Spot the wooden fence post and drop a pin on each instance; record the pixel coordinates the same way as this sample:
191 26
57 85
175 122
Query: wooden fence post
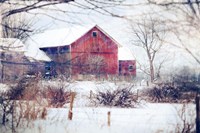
108 118
197 114
91 93
2 72
70 114
137 94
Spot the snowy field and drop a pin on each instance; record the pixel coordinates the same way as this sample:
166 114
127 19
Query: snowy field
145 118
151 118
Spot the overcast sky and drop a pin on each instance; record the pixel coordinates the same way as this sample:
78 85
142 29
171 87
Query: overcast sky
116 27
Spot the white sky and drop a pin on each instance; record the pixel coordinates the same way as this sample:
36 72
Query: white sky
115 27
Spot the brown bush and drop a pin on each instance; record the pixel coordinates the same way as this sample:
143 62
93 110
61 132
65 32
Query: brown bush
119 97
163 93
56 97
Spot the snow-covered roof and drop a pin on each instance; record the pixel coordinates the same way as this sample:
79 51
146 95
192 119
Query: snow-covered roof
57 37
37 55
109 36
125 54
61 37
52 38
11 44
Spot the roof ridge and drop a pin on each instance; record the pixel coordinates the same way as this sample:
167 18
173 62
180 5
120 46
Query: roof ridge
108 35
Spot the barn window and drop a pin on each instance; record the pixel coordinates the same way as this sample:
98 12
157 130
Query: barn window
130 67
94 33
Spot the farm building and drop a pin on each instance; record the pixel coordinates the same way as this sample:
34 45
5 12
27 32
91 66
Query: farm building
15 64
92 52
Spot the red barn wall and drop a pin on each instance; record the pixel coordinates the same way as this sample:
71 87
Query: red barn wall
127 67
89 48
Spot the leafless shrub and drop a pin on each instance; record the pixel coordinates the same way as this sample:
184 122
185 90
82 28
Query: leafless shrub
21 104
5 107
186 115
181 88
119 97
21 91
163 93
26 112
187 80
57 97
7 103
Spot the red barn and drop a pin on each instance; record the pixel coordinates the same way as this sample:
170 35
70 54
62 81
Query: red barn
94 53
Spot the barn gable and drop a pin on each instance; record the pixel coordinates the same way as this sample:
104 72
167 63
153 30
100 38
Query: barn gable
95 53
94 32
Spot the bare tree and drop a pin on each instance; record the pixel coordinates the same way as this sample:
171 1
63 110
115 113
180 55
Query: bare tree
10 9
97 6
148 34
186 23
18 27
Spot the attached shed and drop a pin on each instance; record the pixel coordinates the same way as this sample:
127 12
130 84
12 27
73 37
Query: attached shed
14 64
60 60
127 63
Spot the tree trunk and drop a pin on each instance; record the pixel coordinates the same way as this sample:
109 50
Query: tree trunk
151 71
197 114
4 116
2 71
1 27
151 66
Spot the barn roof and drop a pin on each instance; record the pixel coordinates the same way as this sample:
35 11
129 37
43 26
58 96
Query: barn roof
62 37
66 36
57 37
108 35
37 55
125 54
14 44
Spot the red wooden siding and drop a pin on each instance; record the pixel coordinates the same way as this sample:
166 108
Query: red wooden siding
127 67
94 53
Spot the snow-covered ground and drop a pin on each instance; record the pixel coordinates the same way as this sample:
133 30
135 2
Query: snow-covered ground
146 118
150 118
87 86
